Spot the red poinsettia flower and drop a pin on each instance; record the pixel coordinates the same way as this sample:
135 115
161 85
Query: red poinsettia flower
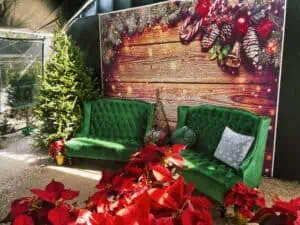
54 192
87 217
246 200
172 155
161 173
23 220
56 148
177 198
203 7
291 207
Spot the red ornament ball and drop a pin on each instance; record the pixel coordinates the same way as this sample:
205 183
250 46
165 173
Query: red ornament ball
265 28
203 7
242 24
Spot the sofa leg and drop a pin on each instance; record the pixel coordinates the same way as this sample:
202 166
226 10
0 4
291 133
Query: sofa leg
222 211
70 162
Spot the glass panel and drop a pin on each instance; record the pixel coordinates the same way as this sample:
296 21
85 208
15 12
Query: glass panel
21 65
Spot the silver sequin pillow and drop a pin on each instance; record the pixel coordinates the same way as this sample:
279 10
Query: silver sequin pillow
233 148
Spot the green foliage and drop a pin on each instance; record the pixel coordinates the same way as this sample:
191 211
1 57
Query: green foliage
5 127
66 84
21 89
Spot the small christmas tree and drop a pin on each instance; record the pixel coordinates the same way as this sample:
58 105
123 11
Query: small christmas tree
65 85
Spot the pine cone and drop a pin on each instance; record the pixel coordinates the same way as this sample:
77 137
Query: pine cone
210 37
226 34
251 45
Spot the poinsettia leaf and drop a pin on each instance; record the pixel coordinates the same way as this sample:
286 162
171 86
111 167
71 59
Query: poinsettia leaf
165 221
20 206
187 218
178 148
50 197
84 217
162 197
151 219
176 159
68 194
201 202
106 178
59 216
260 202
23 220
122 184
203 217
55 187
212 56
177 190
262 214
129 215
161 173
246 213
134 171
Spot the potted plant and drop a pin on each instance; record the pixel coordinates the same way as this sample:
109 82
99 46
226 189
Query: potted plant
57 151
245 201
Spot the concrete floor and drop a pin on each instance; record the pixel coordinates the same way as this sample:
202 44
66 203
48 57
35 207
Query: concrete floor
23 168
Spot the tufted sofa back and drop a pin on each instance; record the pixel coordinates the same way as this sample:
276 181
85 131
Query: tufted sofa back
209 122
120 119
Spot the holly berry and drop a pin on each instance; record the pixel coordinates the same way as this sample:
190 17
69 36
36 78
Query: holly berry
242 24
203 7
265 28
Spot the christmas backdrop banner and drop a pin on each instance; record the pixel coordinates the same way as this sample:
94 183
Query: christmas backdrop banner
217 52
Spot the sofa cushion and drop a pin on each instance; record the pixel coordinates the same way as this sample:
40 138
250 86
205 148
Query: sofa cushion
185 136
233 148
85 147
210 176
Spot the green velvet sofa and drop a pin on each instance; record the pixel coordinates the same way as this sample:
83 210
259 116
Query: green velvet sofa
112 129
212 177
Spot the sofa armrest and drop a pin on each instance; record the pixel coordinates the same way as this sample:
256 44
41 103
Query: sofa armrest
181 114
252 167
85 122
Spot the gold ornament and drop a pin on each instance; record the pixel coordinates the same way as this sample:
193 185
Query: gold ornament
233 59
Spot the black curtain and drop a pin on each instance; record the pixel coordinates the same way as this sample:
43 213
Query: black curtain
287 160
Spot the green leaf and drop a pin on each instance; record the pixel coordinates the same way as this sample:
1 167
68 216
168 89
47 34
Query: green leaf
212 57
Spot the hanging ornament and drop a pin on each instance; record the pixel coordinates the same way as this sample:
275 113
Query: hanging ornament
210 37
264 28
242 24
257 13
251 45
272 47
203 7
233 59
226 34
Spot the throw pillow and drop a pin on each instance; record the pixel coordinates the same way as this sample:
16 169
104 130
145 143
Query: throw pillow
233 148
185 136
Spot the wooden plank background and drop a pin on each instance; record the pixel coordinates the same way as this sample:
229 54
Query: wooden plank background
157 59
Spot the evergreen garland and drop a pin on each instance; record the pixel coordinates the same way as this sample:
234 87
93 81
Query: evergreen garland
66 84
